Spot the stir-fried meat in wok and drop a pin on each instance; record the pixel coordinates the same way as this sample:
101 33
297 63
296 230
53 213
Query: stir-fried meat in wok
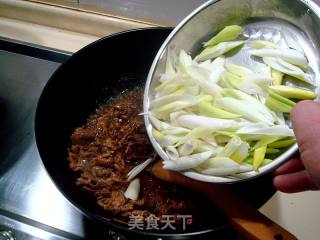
108 146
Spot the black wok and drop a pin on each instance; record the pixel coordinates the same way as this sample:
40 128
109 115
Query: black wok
89 78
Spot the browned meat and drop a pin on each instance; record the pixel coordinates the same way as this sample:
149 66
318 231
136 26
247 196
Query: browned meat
82 136
107 147
118 203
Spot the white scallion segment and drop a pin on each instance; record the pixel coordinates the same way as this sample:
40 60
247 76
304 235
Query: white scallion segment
238 70
242 108
280 118
164 111
245 168
187 162
291 92
194 121
236 150
133 190
262 129
204 146
221 171
288 69
290 55
161 101
257 44
259 79
215 116
169 76
229 33
163 140
159 125
184 61
169 87
217 50
219 166
207 109
229 80
216 68
263 69
187 148
196 133
172 153
175 115
216 73
176 131
138 169
204 98
254 103
201 76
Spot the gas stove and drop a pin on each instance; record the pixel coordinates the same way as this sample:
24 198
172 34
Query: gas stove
31 207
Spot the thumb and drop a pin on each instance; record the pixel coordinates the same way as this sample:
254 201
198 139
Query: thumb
305 118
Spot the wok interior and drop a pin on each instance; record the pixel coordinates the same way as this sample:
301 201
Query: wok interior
91 77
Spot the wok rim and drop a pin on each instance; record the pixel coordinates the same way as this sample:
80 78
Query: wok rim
118 228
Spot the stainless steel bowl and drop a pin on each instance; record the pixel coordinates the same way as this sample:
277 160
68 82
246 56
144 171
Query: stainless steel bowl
292 20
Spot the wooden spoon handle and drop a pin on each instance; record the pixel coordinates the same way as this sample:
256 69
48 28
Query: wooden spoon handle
249 222
246 219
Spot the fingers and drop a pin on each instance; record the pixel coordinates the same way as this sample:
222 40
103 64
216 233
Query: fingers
294 182
305 118
296 175
293 165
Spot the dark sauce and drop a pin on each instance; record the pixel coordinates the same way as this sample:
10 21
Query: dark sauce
108 146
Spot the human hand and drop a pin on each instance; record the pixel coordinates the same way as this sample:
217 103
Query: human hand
303 171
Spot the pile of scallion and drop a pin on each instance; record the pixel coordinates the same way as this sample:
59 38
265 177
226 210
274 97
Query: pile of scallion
219 118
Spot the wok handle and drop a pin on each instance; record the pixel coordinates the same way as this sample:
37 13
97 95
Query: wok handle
248 221
245 218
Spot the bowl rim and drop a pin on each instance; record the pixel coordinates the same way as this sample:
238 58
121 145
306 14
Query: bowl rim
192 174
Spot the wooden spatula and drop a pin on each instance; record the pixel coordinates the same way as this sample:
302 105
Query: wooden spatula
249 222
